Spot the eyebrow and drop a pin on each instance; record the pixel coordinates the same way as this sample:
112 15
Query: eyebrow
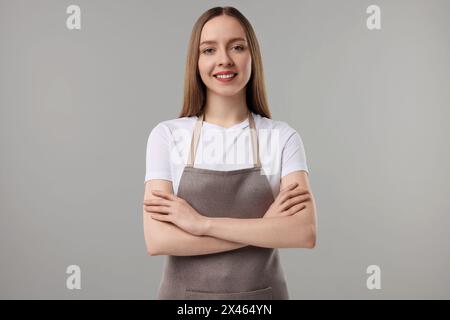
213 42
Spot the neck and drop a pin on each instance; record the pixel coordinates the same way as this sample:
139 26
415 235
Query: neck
225 111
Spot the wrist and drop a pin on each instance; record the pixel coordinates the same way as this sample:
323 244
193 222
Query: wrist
207 226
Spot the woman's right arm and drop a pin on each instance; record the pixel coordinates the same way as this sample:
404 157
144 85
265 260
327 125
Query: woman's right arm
163 238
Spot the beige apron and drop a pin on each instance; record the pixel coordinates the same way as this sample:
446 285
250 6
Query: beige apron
246 273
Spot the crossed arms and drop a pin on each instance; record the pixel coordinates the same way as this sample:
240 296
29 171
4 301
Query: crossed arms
223 234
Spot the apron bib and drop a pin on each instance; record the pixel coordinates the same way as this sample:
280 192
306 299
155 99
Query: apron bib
248 273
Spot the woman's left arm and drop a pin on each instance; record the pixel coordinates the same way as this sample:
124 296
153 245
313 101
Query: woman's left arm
294 231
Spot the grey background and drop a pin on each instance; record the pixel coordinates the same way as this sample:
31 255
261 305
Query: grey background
77 108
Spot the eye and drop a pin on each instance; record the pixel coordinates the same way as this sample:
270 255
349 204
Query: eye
206 51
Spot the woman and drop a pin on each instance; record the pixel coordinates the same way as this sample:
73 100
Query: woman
220 224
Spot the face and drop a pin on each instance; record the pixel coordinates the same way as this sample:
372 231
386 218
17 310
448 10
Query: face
224 47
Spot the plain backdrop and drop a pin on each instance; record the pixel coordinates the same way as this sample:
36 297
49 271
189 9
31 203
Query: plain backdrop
77 106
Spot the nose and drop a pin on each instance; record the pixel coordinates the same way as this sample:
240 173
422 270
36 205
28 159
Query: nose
224 59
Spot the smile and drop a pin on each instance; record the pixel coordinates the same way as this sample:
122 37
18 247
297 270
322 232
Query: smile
225 77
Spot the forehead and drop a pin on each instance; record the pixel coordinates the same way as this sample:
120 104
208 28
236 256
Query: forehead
222 28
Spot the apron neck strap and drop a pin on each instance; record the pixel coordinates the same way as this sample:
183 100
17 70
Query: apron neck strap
253 137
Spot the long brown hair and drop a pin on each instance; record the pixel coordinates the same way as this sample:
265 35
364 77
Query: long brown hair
194 88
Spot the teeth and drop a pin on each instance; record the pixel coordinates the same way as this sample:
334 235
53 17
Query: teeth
225 76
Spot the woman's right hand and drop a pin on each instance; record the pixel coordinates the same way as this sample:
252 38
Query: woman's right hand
289 201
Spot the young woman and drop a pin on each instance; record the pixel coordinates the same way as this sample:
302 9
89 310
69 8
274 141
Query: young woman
220 222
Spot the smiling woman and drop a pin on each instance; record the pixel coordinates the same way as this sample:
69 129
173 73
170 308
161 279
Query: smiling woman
225 62
220 223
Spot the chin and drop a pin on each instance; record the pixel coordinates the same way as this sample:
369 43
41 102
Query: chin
227 92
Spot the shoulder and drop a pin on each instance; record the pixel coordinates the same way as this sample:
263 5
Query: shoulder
167 128
277 127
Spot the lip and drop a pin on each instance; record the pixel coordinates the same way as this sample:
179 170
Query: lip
224 72
226 79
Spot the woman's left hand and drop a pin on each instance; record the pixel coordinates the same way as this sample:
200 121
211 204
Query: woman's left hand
170 208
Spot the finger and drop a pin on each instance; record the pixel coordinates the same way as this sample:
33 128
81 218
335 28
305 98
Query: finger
295 209
157 202
295 200
161 217
292 193
279 199
160 209
289 187
297 191
164 195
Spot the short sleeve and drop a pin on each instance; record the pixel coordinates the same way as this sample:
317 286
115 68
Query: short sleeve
293 157
157 164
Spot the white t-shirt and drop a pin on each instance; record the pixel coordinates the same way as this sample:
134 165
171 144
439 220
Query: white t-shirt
281 149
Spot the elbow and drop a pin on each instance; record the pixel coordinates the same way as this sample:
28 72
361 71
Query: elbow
311 244
152 250
307 239
152 246
305 233
152 238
